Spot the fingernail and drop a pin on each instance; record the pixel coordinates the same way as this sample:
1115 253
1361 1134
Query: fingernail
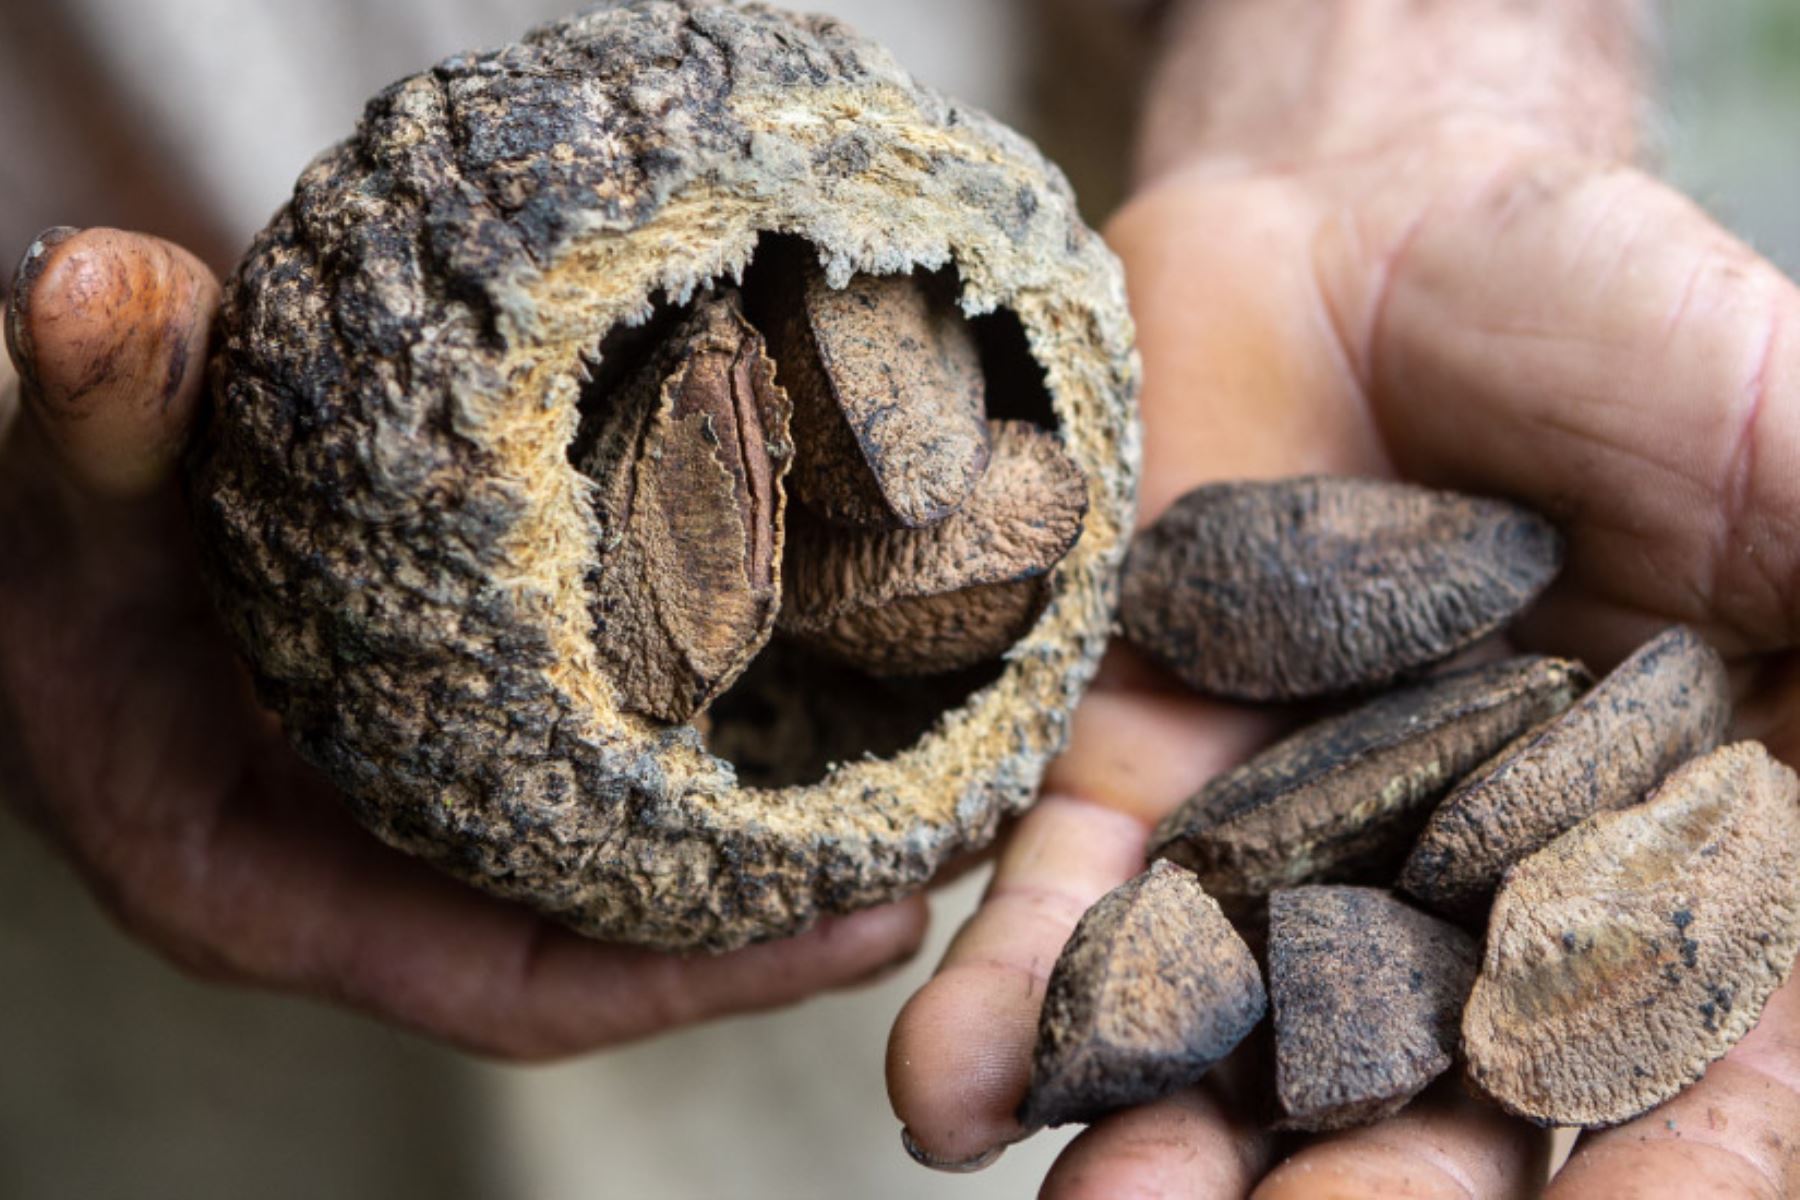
18 328
110 332
925 1158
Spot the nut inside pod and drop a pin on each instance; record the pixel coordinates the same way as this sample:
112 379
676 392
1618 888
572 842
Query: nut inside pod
397 525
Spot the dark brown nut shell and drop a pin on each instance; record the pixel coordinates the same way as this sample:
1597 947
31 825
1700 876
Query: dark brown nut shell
395 533
1305 587
1638 947
1367 995
1153 988
918 601
1343 799
888 398
689 470
1660 707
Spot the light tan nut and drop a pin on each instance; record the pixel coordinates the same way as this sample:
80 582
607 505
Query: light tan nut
1632 951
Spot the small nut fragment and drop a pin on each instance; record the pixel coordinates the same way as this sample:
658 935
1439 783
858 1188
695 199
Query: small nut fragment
1304 587
690 465
1638 947
1152 989
1341 800
919 601
1367 994
1666 703
888 397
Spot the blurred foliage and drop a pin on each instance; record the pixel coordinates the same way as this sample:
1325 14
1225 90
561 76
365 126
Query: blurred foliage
1729 130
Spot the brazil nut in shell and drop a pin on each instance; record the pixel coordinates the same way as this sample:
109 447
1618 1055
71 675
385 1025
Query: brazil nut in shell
1294 588
413 382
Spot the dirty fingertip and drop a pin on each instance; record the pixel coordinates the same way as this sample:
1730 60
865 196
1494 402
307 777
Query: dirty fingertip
953 1166
109 333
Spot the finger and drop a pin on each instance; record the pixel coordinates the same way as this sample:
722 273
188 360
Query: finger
1582 337
1197 1145
1444 1146
1735 1134
9 392
959 1056
109 333
1244 376
1141 752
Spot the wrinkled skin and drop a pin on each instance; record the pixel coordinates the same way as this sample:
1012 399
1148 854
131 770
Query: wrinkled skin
1474 305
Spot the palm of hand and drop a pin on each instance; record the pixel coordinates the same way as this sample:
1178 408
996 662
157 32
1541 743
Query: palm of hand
1471 309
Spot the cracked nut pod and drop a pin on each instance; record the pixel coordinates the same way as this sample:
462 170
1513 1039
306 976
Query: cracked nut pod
518 408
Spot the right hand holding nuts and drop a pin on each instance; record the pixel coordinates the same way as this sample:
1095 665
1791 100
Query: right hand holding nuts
1654 451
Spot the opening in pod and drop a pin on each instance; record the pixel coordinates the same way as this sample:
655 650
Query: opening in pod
826 510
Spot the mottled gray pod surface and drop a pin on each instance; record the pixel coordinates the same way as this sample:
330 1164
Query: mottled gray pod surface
1368 995
395 532
1638 947
1153 988
1660 707
1304 587
1342 800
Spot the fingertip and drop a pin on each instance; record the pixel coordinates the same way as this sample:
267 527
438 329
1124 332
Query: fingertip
1359 1171
1188 1145
1445 1144
958 1064
109 332
1671 1170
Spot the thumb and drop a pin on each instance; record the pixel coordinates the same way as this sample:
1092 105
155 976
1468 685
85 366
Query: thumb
109 332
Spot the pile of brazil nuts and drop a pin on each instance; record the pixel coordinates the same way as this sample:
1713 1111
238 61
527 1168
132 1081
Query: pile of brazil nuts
1568 885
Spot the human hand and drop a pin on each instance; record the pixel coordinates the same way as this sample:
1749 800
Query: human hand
1471 295
128 733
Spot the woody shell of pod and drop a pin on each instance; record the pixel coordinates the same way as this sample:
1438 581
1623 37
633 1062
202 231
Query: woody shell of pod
394 531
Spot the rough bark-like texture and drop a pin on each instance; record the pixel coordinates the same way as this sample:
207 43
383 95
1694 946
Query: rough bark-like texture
1305 587
918 601
1666 703
888 397
1367 995
1342 800
688 471
1640 946
1152 989
395 532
